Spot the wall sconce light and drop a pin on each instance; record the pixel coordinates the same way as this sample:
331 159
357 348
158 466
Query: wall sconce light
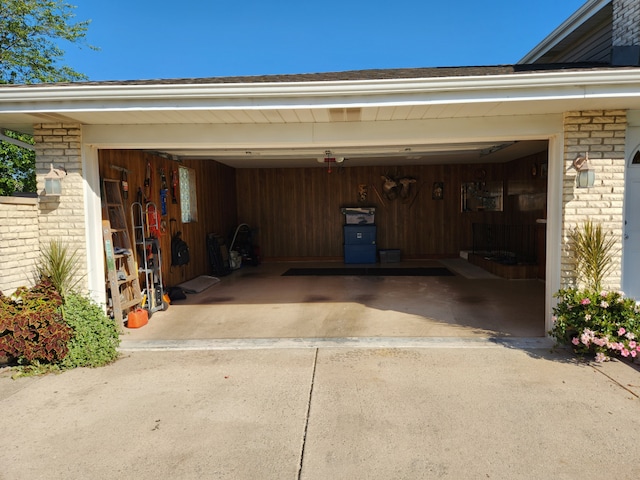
586 177
53 181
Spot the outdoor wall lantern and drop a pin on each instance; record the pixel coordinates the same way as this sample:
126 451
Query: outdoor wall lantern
53 181
586 177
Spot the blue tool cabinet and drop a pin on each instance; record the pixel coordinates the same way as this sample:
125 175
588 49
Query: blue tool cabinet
359 243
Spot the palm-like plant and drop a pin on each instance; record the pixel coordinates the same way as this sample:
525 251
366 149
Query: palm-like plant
59 265
593 250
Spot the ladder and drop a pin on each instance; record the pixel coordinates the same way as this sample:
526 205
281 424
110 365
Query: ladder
122 274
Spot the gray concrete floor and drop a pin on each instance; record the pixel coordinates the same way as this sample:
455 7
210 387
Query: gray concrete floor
260 303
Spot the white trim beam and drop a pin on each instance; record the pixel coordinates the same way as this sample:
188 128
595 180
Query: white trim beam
344 134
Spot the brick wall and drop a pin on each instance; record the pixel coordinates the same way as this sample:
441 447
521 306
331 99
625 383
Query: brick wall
19 244
602 135
63 217
626 22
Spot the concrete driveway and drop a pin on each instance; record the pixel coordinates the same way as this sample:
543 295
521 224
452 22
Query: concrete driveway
454 409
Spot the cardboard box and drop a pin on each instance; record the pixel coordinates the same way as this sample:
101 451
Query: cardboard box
359 216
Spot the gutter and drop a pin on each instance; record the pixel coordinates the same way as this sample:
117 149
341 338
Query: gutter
517 86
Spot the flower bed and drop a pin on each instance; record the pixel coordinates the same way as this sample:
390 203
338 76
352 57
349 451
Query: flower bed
603 324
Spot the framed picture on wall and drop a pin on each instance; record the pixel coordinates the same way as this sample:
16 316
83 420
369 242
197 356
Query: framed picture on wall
481 196
437 193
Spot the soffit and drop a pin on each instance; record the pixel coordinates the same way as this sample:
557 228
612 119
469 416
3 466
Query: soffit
349 102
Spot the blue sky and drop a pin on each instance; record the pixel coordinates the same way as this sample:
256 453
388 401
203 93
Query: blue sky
147 39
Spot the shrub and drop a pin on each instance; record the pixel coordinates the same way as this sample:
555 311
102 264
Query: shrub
32 329
603 324
95 338
59 265
593 250
592 321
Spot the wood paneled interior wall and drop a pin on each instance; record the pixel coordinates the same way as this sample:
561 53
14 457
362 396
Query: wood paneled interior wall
296 212
526 189
216 203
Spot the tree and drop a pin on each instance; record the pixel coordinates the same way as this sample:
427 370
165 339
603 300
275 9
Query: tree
17 166
30 33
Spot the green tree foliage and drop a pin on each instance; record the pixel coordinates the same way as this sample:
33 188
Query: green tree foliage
31 32
31 35
17 166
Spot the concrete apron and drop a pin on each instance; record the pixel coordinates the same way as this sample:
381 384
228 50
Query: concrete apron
258 307
306 414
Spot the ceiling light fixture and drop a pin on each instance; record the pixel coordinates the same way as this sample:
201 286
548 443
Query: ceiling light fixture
329 160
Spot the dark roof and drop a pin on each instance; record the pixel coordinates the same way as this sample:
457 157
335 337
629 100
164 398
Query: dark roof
374 74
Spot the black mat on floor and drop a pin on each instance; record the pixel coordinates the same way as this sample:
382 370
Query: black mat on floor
382 272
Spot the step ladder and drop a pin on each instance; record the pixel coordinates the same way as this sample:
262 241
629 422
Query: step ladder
122 282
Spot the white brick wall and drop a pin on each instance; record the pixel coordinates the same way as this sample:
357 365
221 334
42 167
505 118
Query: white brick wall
62 218
626 22
19 244
601 134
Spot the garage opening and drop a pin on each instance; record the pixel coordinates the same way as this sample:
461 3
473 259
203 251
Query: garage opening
482 219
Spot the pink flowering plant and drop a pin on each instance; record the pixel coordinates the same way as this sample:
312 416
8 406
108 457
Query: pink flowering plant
602 324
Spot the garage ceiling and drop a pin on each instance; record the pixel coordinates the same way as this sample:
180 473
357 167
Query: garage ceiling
480 152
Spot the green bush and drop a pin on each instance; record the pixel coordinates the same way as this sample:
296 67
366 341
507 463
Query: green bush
32 329
95 340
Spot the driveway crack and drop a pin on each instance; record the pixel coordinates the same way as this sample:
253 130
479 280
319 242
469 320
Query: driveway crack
613 380
306 420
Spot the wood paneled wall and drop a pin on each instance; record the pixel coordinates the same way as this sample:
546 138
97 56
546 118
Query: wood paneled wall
296 212
526 189
215 186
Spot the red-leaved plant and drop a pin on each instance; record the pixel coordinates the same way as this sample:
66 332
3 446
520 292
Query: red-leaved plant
32 328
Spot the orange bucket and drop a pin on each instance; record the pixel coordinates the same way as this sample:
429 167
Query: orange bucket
137 318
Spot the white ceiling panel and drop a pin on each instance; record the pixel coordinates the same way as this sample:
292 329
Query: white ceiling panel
288 115
272 116
304 115
320 115
401 112
369 114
